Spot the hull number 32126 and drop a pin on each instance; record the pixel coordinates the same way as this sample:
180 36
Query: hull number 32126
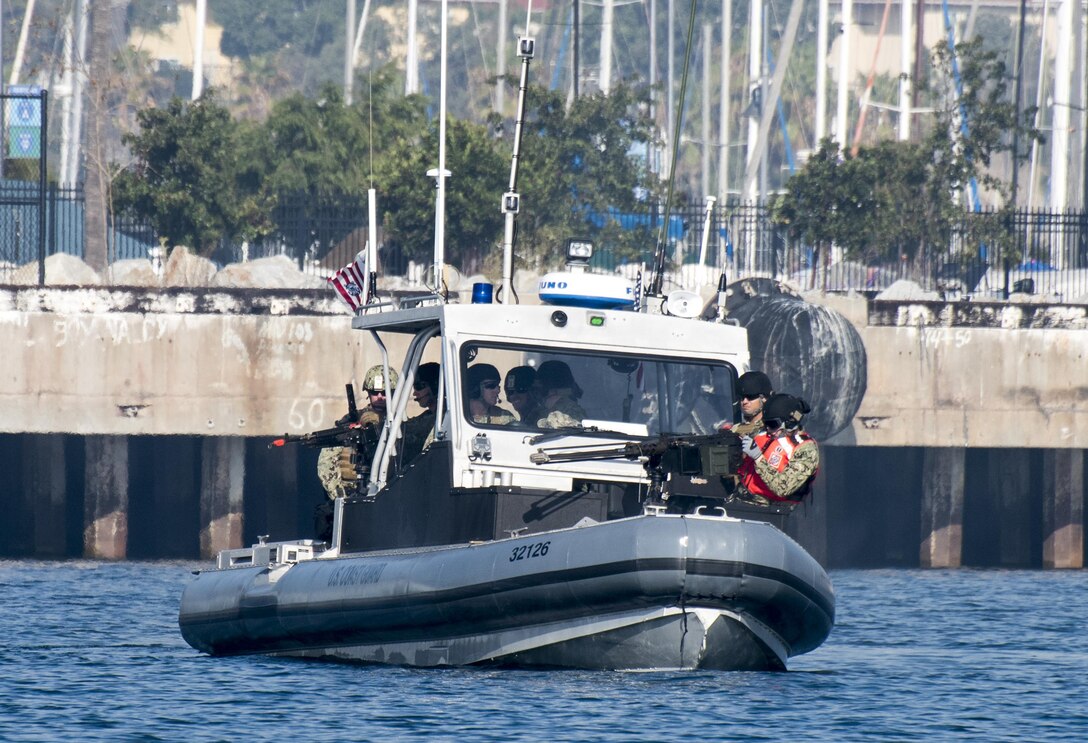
526 551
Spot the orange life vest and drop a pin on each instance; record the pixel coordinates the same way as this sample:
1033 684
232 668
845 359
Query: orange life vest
776 451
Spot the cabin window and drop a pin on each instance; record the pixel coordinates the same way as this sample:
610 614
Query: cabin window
633 394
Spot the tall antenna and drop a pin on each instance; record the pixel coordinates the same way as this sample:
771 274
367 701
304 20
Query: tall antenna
657 275
440 198
511 200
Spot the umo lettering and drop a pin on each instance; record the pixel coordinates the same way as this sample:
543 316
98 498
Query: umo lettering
553 285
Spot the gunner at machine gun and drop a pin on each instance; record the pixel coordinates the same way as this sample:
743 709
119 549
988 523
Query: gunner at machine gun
347 448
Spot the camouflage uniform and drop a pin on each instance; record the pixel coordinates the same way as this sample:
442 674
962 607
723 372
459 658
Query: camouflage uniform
803 463
328 471
417 434
565 412
335 470
747 428
495 416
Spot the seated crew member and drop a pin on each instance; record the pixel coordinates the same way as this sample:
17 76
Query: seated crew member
482 390
521 394
335 469
559 395
753 388
419 429
781 462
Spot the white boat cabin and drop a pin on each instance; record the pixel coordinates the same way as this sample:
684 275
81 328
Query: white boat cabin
633 376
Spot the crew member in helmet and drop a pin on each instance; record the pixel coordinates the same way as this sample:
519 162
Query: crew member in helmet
522 394
377 391
780 462
482 383
335 467
559 395
753 388
418 430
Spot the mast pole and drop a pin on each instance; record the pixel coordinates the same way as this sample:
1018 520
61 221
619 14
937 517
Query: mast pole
440 198
905 65
820 125
198 49
511 200
411 60
724 100
349 53
841 109
500 62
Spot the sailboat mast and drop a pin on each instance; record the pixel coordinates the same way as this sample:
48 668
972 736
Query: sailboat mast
198 49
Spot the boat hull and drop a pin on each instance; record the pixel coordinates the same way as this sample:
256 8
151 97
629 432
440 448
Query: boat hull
642 593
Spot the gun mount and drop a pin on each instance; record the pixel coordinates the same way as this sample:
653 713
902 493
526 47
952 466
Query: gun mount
695 466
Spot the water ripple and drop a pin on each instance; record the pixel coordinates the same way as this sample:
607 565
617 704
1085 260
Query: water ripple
92 653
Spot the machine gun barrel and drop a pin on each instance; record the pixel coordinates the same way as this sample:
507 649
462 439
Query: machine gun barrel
351 430
346 435
633 450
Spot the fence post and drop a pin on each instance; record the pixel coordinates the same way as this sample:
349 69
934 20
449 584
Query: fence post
52 218
43 142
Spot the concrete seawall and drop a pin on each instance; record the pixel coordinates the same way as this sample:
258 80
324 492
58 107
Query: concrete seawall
134 423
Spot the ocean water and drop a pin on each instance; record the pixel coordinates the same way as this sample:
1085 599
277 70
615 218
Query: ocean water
91 652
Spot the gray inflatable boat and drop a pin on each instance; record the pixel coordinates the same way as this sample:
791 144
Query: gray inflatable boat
603 537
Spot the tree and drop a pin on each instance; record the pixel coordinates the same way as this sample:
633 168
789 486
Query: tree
582 168
893 201
185 176
105 94
478 178
314 155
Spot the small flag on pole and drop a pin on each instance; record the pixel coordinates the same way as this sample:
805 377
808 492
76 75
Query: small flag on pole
349 282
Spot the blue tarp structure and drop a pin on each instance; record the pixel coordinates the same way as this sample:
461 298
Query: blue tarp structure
637 221
1035 265
19 205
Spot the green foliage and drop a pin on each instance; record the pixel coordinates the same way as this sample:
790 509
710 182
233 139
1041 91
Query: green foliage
473 190
316 146
201 176
184 176
581 162
894 200
982 98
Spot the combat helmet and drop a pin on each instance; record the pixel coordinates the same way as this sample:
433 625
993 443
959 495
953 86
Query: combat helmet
374 381
754 383
786 408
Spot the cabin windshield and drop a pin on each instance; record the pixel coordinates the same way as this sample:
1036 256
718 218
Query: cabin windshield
635 395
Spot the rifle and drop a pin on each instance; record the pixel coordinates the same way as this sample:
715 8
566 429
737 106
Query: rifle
349 434
357 432
351 430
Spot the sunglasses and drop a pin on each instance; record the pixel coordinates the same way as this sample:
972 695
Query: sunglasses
376 392
773 423
518 390
417 386
490 385
750 397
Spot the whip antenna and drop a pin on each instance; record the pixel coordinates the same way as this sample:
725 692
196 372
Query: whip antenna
657 277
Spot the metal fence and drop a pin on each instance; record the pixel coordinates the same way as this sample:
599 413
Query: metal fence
1052 247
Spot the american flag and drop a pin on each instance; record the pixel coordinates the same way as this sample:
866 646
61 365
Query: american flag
349 282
